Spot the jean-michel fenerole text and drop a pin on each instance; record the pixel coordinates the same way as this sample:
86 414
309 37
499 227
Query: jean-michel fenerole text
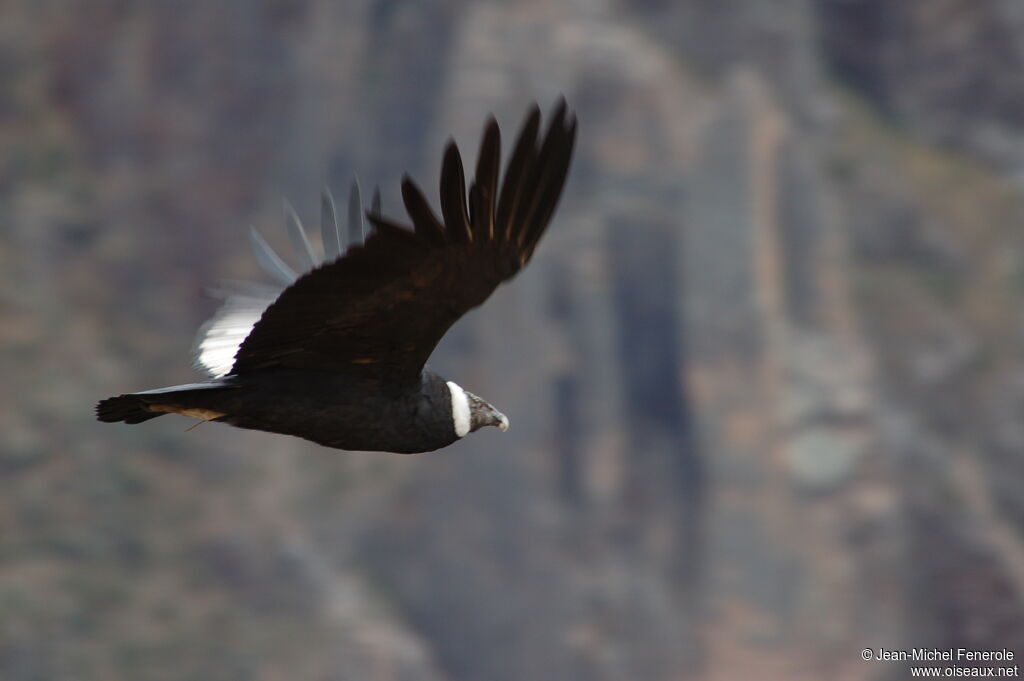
948 654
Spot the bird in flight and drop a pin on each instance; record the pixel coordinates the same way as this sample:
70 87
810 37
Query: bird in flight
339 356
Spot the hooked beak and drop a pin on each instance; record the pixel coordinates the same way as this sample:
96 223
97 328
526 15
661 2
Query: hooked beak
501 420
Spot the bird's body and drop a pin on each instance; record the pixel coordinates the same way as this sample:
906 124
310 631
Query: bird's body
338 357
330 409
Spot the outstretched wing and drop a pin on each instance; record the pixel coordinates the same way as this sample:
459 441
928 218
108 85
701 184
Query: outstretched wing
382 308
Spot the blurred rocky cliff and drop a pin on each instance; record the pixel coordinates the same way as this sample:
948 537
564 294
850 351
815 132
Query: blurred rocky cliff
765 373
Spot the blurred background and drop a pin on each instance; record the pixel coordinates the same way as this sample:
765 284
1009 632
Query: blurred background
765 374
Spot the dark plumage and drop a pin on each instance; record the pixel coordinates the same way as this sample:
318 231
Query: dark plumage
339 356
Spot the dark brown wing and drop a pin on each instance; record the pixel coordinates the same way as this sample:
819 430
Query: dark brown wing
382 308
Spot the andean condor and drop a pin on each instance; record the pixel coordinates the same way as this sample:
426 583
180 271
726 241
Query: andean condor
339 356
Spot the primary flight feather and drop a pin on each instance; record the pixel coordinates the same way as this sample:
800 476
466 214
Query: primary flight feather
339 356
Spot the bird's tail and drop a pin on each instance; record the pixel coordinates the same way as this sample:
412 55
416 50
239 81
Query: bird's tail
127 408
139 407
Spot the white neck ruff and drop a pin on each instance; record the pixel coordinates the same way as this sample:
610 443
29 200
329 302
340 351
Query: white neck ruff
460 409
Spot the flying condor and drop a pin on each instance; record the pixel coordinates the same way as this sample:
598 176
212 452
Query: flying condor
339 355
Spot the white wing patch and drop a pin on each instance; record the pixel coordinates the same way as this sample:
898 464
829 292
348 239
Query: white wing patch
220 338
460 409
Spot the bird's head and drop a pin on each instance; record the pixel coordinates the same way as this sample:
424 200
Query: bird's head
470 413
